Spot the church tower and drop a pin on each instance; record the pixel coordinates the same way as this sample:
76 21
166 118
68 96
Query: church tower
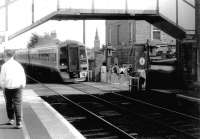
96 42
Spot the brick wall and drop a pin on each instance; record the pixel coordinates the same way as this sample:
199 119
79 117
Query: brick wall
143 31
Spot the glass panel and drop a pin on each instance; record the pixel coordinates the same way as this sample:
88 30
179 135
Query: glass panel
63 56
109 4
142 4
168 9
186 16
82 52
156 35
192 2
73 58
75 4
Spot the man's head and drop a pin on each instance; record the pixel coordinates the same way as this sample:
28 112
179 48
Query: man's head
8 54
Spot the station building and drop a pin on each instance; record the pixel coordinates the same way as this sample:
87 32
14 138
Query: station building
124 34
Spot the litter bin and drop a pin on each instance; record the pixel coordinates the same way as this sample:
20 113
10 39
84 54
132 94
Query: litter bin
134 84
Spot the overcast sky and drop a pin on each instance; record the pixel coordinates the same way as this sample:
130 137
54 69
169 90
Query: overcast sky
73 29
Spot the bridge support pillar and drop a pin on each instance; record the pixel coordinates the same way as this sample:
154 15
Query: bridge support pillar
197 26
179 65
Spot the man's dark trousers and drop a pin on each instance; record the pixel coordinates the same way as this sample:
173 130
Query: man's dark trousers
14 103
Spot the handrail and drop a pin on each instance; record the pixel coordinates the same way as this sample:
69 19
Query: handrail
191 5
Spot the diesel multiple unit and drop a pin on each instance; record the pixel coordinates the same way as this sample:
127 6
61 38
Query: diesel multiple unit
63 61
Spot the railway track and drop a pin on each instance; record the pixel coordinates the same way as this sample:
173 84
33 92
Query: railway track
99 114
96 119
176 103
185 125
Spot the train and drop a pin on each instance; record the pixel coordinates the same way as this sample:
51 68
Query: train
64 61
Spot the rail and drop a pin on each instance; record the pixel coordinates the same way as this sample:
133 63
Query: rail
117 130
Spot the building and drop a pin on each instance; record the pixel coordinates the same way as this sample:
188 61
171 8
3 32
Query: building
123 34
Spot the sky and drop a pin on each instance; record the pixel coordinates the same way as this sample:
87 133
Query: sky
65 29
73 29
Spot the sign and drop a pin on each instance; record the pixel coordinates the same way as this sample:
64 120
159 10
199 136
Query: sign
142 61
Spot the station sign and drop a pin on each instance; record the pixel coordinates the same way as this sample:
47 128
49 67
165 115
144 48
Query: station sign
142 61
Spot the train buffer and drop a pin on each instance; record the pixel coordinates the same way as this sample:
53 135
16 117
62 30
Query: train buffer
40 121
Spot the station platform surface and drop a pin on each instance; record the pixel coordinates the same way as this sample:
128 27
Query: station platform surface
190 94
40 121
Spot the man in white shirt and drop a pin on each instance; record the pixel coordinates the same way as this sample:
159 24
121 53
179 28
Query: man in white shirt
12 81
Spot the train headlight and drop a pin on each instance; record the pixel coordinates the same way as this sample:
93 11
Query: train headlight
83 74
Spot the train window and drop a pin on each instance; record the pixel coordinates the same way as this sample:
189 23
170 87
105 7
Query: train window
84 68
52 57
63 56
82 53
73 55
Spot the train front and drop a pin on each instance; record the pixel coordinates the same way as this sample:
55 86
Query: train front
73 62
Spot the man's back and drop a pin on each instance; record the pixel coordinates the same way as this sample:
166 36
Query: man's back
12 75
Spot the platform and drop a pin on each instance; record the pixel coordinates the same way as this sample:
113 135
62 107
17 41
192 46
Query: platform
189 95
40 121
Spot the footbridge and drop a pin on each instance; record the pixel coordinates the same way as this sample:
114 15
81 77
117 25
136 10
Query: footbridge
175 17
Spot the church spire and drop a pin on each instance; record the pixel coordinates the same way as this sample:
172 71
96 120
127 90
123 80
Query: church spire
96 41
96 35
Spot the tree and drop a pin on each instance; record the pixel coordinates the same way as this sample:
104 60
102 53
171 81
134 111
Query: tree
33 40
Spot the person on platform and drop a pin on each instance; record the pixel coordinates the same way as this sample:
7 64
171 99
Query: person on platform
12 81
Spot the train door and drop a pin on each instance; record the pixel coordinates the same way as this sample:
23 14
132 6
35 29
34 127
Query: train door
73 56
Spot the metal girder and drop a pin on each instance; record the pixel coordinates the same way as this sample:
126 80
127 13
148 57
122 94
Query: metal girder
151 16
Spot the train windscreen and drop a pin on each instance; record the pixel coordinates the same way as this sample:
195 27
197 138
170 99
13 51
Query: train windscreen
73 58
63 57
83 57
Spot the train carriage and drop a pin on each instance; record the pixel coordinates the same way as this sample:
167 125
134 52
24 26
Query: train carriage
64 61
